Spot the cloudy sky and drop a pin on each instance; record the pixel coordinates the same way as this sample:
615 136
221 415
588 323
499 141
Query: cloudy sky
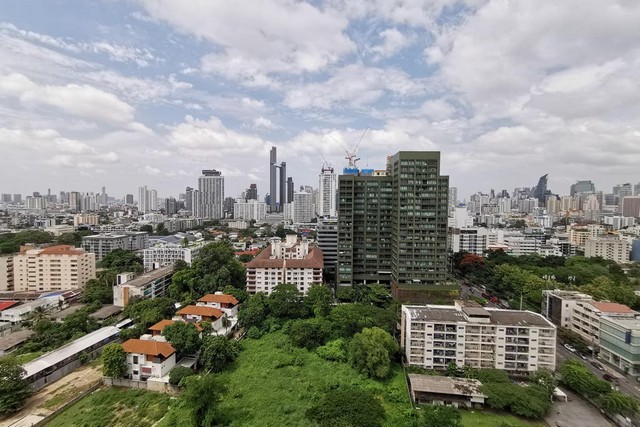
128 93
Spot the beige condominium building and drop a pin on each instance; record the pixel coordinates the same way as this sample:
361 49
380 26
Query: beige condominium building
466 334
53 268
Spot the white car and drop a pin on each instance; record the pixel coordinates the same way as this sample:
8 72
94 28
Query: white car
571 349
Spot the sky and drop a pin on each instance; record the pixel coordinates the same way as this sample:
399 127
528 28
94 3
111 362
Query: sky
150 92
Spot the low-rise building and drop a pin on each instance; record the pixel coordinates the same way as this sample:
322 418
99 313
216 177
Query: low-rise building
153 284
226 303
156 330
475 240
586 316
166 252
86 219
558 305
292 261
53 268
619 340
148 358
434 336
18 313
436 390
198 313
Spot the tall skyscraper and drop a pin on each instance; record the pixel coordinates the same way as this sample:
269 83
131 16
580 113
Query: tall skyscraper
540 191
211 187
327 192
75 200
283 185
128 199
302 207
272 179
144 202
393 226
252 192
290 189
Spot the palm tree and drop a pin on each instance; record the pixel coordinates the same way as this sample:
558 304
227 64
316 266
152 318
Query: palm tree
36 315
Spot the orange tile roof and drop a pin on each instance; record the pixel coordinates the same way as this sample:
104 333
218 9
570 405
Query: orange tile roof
148 347
314 259
611 307
199 310
224 298
159 327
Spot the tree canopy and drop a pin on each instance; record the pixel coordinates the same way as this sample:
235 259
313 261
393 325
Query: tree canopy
14 389
370 352
218 351
114 361
183 336
123 261
347 407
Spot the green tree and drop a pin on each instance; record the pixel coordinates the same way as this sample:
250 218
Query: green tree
546 379
335 351
114 361
438 416
183 336
218 351
178 373
73 239
254 311
286 302
180 265
372 294
147 228
604 288
349 319
347 407
615 402
216 267
147 311
14 389
370 352
318 300
200 399
580 379
308 333
240 294
123 261
100 289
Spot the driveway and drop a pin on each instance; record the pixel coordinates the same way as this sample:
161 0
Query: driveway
576 412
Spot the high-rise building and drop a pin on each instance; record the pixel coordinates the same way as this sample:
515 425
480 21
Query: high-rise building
170 206
631 206
75 201
302 207
36 202
144 202
128 199
290 189
249 210
252 192
393 226
273 158
327 236
636 189
623 190
283 186
327 192
453 200
540 191
6 198
211 187
582 187
17 198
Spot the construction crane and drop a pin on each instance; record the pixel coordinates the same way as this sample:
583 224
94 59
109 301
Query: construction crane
352 155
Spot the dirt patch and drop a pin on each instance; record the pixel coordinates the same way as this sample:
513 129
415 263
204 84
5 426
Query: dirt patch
45 401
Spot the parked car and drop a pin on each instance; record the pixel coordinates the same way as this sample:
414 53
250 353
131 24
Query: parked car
608 377
571 349
597 365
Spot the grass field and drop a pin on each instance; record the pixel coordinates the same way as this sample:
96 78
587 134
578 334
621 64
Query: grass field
491 419
115 407
273 384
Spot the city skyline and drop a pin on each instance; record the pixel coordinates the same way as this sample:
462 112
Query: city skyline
127 94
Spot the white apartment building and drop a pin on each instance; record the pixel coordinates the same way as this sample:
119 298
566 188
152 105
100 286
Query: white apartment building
524 244
103 244
53 269
251 209
149 285
292 261
558 305
165 254
432 336
211 188
586 315
611 247
6 273
327 192
475 240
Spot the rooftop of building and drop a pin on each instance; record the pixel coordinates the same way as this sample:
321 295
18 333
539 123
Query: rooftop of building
199 310
570 295
54 250
445 385
105 312
632 323
314 259
159 327
52 358
497 316
148 347
14 339
611 307
149 277
219 298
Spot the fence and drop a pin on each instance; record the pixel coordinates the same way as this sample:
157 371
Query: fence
150 385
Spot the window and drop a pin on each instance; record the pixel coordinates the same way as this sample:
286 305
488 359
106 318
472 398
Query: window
135 361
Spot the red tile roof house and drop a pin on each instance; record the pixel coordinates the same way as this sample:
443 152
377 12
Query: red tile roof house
148 358
198 313
227 303
156 330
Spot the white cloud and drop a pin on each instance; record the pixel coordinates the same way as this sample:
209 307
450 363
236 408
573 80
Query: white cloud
79 100
150 170
285 36
392 42
354 85
262 122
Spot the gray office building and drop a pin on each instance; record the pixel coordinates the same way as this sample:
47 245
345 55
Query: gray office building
211 194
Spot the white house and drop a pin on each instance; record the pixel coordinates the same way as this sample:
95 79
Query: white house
198 313
148 358
227 303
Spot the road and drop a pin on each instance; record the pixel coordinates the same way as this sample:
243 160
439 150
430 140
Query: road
626 384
